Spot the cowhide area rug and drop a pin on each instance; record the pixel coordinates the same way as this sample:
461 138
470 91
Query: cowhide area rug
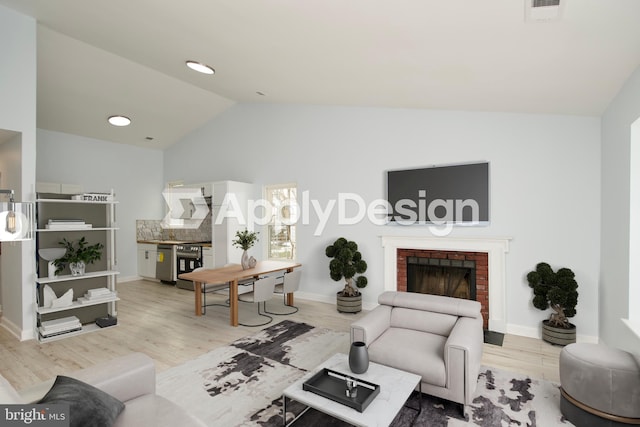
241 385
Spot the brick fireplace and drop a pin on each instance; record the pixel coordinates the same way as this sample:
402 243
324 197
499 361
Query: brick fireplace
479 261
488 254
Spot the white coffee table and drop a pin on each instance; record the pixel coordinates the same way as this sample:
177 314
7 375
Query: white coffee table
395 388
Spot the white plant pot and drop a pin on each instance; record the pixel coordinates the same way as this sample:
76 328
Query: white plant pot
244 261
77 268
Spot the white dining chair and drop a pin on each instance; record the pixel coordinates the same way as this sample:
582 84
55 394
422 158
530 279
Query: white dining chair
262 292
290 284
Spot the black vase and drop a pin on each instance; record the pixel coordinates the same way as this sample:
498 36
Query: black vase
358 357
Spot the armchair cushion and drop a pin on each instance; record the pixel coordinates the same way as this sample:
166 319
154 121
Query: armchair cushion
154 410
421 353
88 406
125 377
434 303
377 321
423 321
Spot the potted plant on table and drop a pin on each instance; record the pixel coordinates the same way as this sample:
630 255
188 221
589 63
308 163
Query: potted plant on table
78 255
558 291
245 240
346 263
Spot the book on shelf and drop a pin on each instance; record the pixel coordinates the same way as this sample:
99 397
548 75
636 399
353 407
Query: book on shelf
59 326
97 295
85 300
70 320
97 291
44 334
94 197
60 329
68 226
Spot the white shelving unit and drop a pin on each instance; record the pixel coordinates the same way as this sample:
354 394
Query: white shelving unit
47 230
74 305
67 277
101 274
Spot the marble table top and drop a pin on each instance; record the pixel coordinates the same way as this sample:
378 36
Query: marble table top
395 388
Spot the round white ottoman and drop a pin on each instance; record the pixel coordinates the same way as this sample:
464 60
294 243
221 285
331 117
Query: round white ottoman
600 385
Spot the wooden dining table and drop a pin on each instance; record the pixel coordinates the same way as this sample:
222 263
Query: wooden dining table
231 275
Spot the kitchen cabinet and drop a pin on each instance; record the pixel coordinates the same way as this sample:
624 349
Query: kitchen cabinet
60 217
206 188
147 255
188 205
208 260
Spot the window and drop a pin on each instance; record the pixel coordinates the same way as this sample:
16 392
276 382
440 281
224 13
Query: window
281 228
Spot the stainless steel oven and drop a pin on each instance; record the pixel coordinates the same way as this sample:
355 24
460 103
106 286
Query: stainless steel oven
188 258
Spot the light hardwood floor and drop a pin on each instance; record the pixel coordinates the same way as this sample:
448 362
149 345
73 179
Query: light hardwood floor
158 320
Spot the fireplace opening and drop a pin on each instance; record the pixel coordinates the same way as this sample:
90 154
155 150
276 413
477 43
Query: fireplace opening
446 277
476 273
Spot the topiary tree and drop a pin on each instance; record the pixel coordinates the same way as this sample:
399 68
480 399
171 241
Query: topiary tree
558 290
347 262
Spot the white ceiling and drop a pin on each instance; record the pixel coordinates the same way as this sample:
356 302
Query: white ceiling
98 58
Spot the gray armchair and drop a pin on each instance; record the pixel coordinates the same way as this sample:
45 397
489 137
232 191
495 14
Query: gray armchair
438 338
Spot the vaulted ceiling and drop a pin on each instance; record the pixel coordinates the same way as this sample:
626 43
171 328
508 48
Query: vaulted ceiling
99 58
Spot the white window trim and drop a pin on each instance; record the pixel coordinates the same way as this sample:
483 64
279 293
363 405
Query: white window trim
633 321
265 228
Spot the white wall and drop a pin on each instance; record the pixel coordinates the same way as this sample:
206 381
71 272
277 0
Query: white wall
134 173
545 182
11 259
18 113
614 276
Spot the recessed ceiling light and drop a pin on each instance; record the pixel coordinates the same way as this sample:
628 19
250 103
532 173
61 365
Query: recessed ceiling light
199 67
119 120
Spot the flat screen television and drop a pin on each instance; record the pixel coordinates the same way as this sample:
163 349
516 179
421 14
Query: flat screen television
456 194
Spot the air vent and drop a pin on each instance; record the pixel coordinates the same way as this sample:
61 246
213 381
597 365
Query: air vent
545 3
543 10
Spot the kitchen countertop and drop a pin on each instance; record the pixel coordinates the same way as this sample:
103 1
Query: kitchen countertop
174 242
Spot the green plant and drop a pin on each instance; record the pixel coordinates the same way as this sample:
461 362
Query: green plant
78 251
245 239
558 290
347 262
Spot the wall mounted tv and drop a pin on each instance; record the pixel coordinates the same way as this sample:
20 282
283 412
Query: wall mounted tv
457 194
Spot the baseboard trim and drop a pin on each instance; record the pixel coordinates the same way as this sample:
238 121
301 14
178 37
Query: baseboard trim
330 299
17 332
130 279
527 331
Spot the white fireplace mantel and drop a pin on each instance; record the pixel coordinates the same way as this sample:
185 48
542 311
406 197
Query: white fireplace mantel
495 247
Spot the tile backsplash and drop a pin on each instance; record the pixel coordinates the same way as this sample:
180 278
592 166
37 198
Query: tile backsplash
151 229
